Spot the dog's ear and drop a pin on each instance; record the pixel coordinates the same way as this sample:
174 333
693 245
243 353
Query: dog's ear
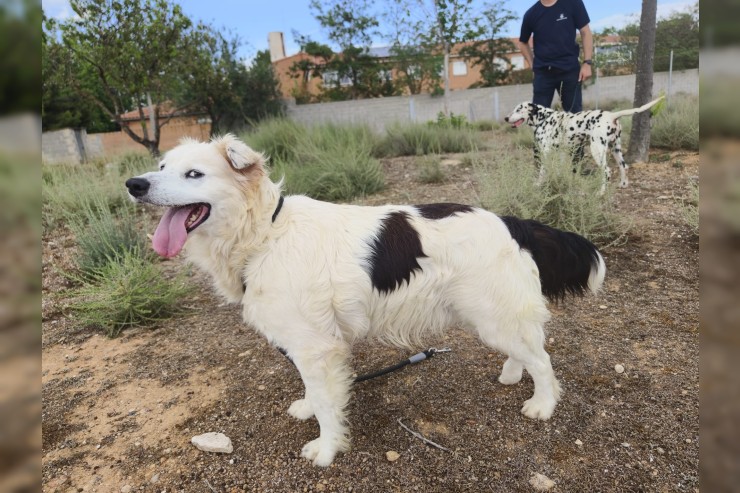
239 155
534 111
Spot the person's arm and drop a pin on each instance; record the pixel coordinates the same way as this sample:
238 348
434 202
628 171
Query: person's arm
588 52
527 52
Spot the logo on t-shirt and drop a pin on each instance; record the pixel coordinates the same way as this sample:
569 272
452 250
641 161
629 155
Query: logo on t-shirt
561 18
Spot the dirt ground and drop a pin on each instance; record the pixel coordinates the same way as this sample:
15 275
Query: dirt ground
118 414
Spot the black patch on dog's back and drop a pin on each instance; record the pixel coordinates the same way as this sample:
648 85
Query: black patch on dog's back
442 210
565 260
394 253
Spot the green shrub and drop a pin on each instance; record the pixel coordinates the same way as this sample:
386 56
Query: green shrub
69 189
103 236
485 125
430 169
452 121
524 137
677 125
418 139
127 292
277 138
564 199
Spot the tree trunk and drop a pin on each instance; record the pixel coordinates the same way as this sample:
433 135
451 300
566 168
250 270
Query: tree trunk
640 134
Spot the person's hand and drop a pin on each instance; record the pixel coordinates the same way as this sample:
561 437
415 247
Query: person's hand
585 73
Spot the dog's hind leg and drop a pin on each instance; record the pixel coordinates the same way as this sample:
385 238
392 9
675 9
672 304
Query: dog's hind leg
619 158
598 151
526 350
327 377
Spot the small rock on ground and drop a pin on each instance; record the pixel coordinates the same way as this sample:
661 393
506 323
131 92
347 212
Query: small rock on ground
619 368
540 482
392 455
213 442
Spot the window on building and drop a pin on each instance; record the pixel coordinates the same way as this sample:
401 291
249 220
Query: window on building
517 62
330 78
459 68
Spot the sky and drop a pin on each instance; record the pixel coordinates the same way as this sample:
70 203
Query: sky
251 20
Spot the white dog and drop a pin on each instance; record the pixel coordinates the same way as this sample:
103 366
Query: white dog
597 128
314 277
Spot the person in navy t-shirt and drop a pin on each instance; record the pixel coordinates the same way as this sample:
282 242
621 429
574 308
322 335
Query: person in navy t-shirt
555 59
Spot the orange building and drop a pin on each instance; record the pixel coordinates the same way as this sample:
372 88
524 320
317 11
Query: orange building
462 73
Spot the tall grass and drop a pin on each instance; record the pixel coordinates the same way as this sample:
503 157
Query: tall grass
128 291
68 190
327 162
564 199
420 139
677 126
430 169
103 236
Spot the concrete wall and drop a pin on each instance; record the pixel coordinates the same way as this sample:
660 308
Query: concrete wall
77 146
491 103
61 146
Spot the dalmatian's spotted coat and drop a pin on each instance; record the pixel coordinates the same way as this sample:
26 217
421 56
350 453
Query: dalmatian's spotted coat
599 129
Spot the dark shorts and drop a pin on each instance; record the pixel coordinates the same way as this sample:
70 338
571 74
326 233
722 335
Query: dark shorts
565 83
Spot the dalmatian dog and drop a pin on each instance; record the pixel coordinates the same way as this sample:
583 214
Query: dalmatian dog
597 128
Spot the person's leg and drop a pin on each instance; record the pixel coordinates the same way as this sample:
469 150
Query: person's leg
544 89
569 90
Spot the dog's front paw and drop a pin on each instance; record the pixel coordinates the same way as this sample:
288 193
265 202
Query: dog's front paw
538 408
301 409
321 453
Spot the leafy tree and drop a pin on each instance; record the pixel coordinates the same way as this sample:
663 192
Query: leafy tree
416 61
20 76
351 26
219 83
262 98
60 105
444 23
138 50
488 53
304 70
679 32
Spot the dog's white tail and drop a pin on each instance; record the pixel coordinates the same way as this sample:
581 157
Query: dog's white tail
632 111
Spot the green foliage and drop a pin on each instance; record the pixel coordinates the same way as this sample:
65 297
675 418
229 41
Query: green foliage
128 291
489 53
677 126
103 237
486 125
678 32
20 71
327 162
70 190
430 169
417 139
452 121
564 199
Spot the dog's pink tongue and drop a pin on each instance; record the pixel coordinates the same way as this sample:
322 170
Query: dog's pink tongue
171 234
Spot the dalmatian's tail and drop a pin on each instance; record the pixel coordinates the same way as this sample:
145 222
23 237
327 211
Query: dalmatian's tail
632 111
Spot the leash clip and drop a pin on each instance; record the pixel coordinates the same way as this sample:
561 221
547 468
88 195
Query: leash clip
434 350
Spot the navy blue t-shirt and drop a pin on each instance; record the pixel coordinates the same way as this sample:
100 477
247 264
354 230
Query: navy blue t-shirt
554 30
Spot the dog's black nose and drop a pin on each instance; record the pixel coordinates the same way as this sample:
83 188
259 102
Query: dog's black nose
506 119
137 186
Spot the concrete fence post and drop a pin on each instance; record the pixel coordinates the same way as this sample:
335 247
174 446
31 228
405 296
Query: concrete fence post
496 107
412 110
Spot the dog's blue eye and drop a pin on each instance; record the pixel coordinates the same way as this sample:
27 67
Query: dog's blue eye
193 174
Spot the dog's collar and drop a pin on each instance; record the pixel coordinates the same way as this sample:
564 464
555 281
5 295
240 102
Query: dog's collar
277 209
